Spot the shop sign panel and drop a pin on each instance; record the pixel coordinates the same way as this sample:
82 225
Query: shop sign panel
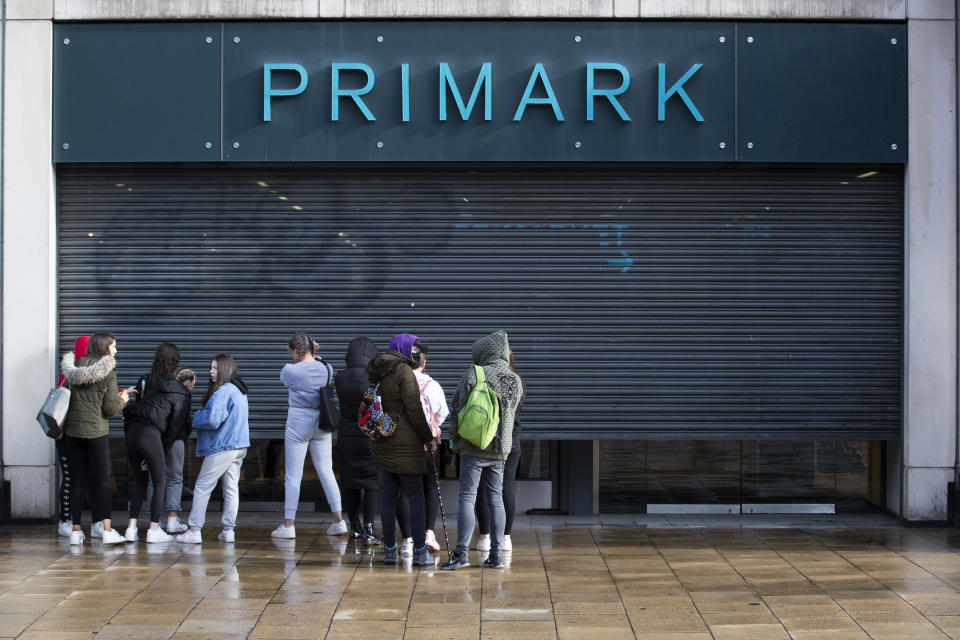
497 91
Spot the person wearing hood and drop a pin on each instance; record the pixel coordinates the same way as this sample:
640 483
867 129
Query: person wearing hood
65 526
358 473
492 352
305 378
434 403
154 422
400 457
223 436
94 398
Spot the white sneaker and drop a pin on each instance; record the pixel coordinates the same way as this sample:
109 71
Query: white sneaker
507 544
337 528
284 532
158 535
96 529
432 543
406 549
130 535
76 537
112 537
175 526
65 528
190 537
227 535
483 543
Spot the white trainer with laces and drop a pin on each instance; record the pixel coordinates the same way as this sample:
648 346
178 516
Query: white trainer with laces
76 537
227 535
131 535
158 535
406 549
190 537
432 543
507 543
112 537
174 525
96 529
483 543
284 531
337 528
65 528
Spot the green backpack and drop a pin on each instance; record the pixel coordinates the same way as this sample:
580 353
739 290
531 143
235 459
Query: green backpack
477 422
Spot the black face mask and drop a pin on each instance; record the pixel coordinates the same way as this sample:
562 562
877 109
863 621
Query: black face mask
416 360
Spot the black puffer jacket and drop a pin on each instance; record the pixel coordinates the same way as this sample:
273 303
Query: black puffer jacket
165 407
357 470
402 452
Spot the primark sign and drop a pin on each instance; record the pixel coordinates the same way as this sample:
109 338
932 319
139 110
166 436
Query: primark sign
448 90
484 91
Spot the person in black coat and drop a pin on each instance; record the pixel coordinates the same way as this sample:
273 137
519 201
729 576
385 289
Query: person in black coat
153 423
358 473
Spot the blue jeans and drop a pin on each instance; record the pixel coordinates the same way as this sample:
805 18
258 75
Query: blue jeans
471 474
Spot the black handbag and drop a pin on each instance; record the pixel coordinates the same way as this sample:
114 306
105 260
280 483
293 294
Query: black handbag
329 414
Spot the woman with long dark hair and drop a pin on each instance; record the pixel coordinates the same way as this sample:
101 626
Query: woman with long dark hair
93 398
223 436
305 378
153 423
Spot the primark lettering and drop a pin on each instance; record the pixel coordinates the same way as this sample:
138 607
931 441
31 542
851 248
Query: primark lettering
355 73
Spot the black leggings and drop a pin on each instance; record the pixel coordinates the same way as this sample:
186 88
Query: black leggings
90 468
63 457
432 506
509 496
144 443
352 501
389 490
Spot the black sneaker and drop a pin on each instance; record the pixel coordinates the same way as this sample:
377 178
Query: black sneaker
355 531
390 554
494 561
456 561
370 538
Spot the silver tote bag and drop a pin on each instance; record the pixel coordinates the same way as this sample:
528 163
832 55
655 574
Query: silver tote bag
54 411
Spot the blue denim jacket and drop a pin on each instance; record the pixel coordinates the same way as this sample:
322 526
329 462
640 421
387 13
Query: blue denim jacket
223 422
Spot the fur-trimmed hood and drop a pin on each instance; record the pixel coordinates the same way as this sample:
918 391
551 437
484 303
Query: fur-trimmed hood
87 370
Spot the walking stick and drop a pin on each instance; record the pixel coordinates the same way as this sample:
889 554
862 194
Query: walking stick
443 519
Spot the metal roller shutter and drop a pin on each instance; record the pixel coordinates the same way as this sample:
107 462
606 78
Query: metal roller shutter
672 302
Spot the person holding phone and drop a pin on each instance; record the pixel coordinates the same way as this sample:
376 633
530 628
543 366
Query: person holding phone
94 397
305 378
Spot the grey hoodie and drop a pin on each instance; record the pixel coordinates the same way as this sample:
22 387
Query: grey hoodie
493 353
304 380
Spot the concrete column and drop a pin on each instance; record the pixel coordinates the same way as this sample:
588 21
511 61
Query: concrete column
29 257
929 445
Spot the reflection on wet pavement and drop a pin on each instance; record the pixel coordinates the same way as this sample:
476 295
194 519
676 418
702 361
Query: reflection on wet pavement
704 582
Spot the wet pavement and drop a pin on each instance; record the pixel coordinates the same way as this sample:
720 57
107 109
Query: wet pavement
685 578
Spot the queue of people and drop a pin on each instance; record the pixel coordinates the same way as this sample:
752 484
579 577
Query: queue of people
401 468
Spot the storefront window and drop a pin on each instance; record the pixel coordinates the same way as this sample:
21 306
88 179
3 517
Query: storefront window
847 474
